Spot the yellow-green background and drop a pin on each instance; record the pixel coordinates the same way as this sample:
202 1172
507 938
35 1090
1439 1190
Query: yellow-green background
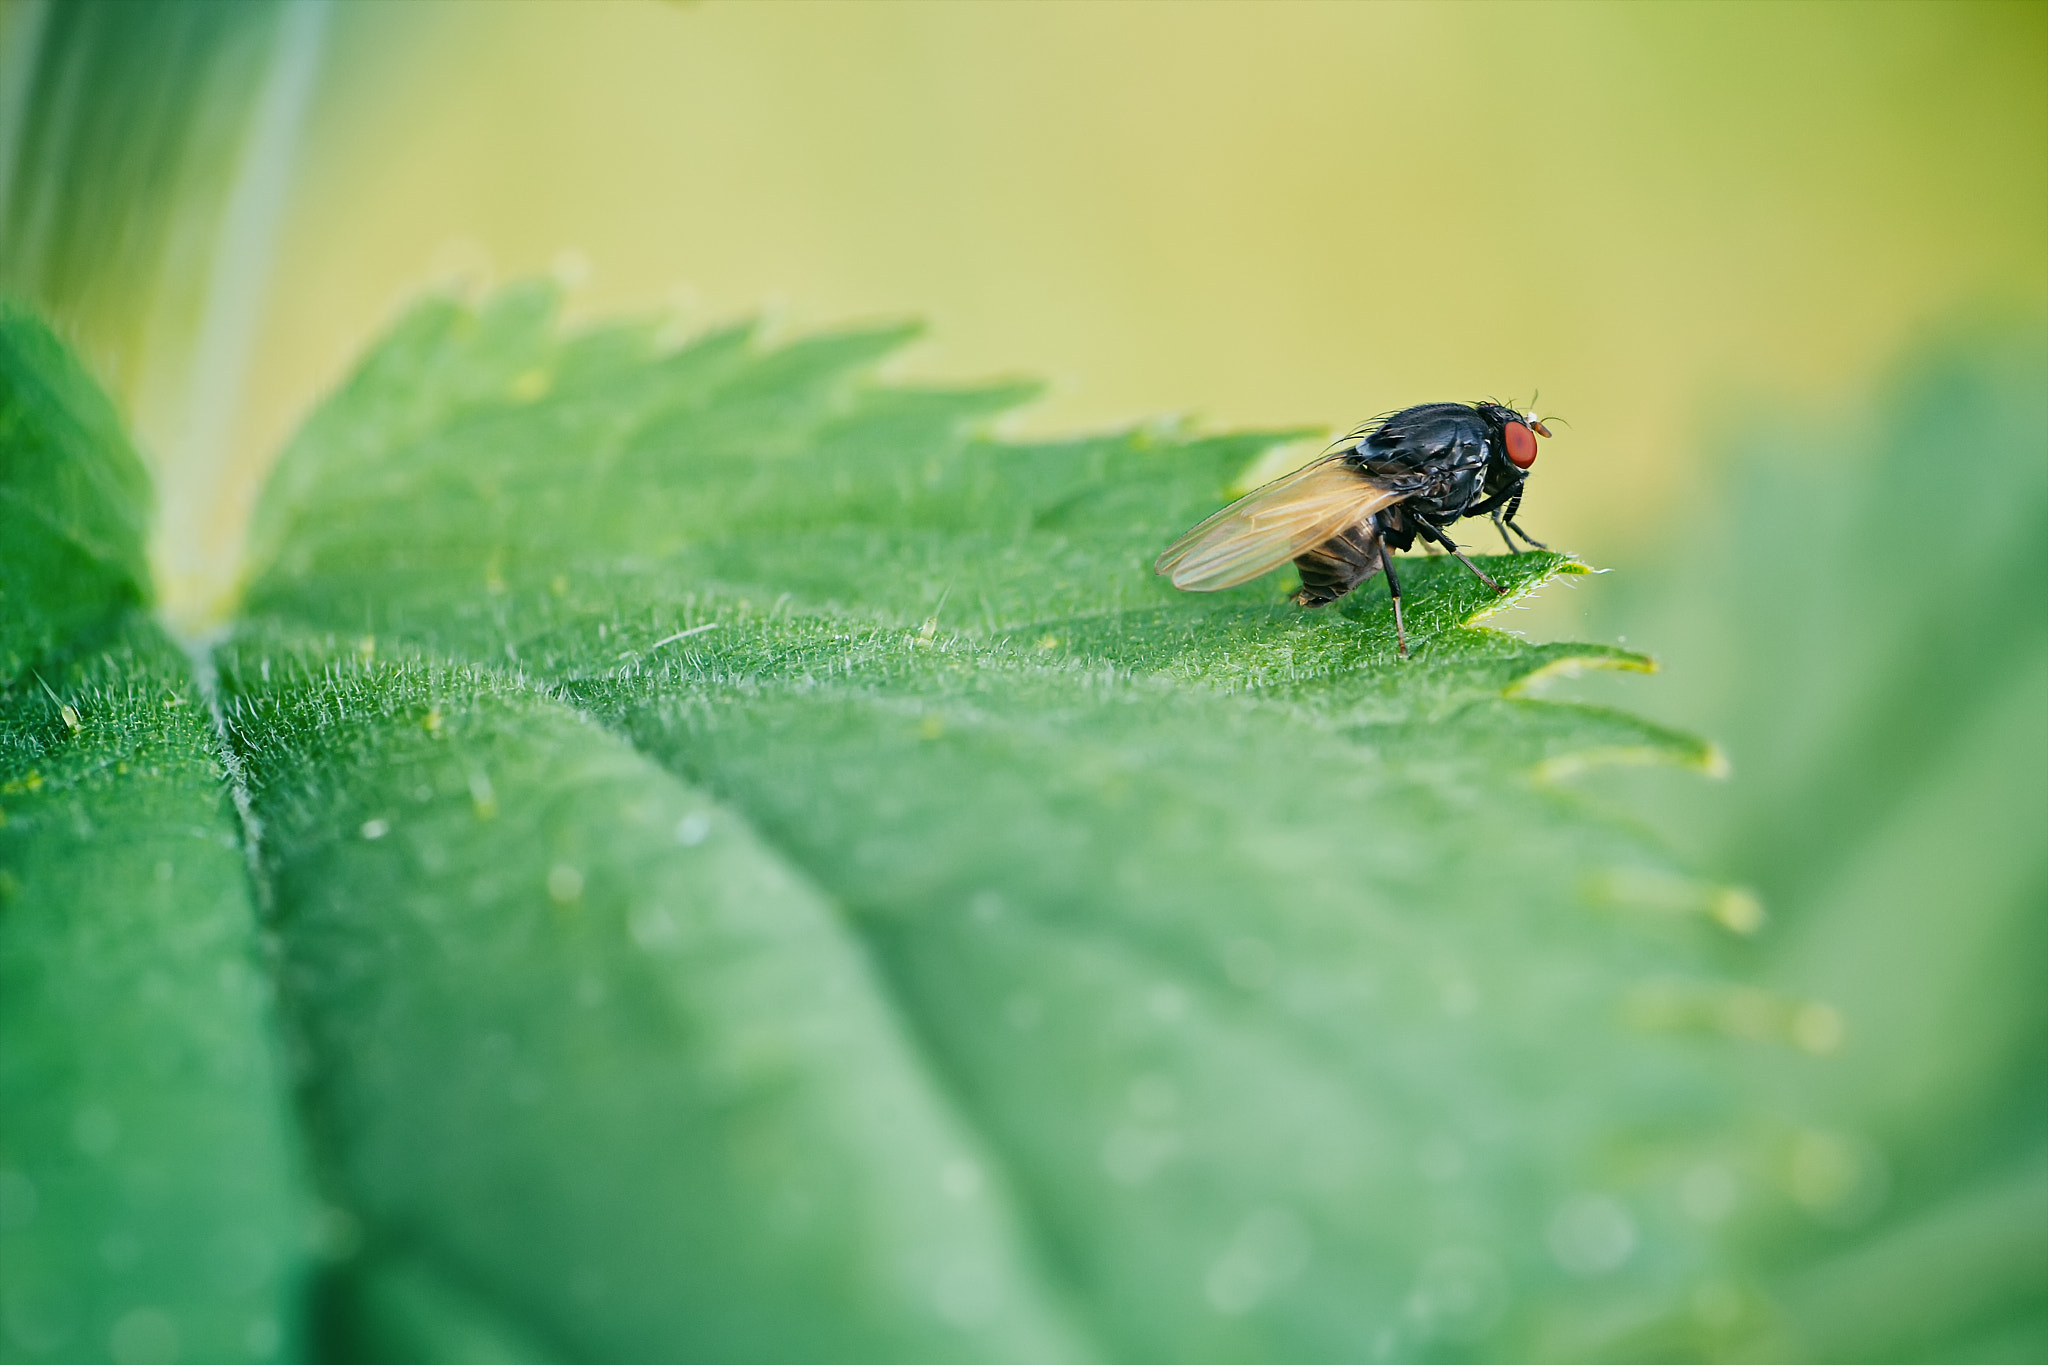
1248 214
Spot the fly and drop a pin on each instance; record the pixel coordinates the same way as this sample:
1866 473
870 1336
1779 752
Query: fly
1412 473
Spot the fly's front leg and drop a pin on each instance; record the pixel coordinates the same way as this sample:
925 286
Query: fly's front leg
1492 506
1394 591
1436 533
1513 507
1501 527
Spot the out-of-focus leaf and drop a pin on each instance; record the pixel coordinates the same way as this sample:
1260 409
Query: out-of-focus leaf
148 1205
1870 641
146 148
1216 985
131 132
396 1313
74 501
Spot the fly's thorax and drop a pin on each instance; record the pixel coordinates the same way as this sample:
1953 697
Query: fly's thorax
1452 485
1503 477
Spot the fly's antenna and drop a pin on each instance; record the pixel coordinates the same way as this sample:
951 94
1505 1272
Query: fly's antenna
1534 399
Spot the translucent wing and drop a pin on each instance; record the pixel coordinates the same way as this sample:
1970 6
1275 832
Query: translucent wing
1269 526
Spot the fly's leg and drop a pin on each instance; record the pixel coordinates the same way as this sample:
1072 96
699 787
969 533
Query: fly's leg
1499 526
1394 591
1509 517
1440 538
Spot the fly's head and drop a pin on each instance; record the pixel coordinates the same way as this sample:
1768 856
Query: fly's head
1514 440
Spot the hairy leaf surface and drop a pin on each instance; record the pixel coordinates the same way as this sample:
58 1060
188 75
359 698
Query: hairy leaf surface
149 1199
760 862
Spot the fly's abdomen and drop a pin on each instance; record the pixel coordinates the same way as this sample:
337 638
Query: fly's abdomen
1338 565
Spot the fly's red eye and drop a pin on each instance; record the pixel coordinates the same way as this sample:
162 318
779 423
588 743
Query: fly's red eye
1521 445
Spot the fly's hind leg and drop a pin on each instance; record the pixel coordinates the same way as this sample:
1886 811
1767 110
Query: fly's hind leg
1394 591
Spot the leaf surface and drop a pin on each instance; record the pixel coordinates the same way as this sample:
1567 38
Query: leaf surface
792 840
149 1199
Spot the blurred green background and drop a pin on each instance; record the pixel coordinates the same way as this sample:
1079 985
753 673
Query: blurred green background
1784 269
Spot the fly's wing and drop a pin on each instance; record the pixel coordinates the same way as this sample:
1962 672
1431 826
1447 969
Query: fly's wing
1270 526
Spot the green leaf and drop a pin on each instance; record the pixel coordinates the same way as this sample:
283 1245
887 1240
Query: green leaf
123 194
148 1202
146 148
584 1043
760 864
74 501
1892 761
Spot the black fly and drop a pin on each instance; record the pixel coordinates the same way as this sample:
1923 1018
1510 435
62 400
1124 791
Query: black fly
1409 474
